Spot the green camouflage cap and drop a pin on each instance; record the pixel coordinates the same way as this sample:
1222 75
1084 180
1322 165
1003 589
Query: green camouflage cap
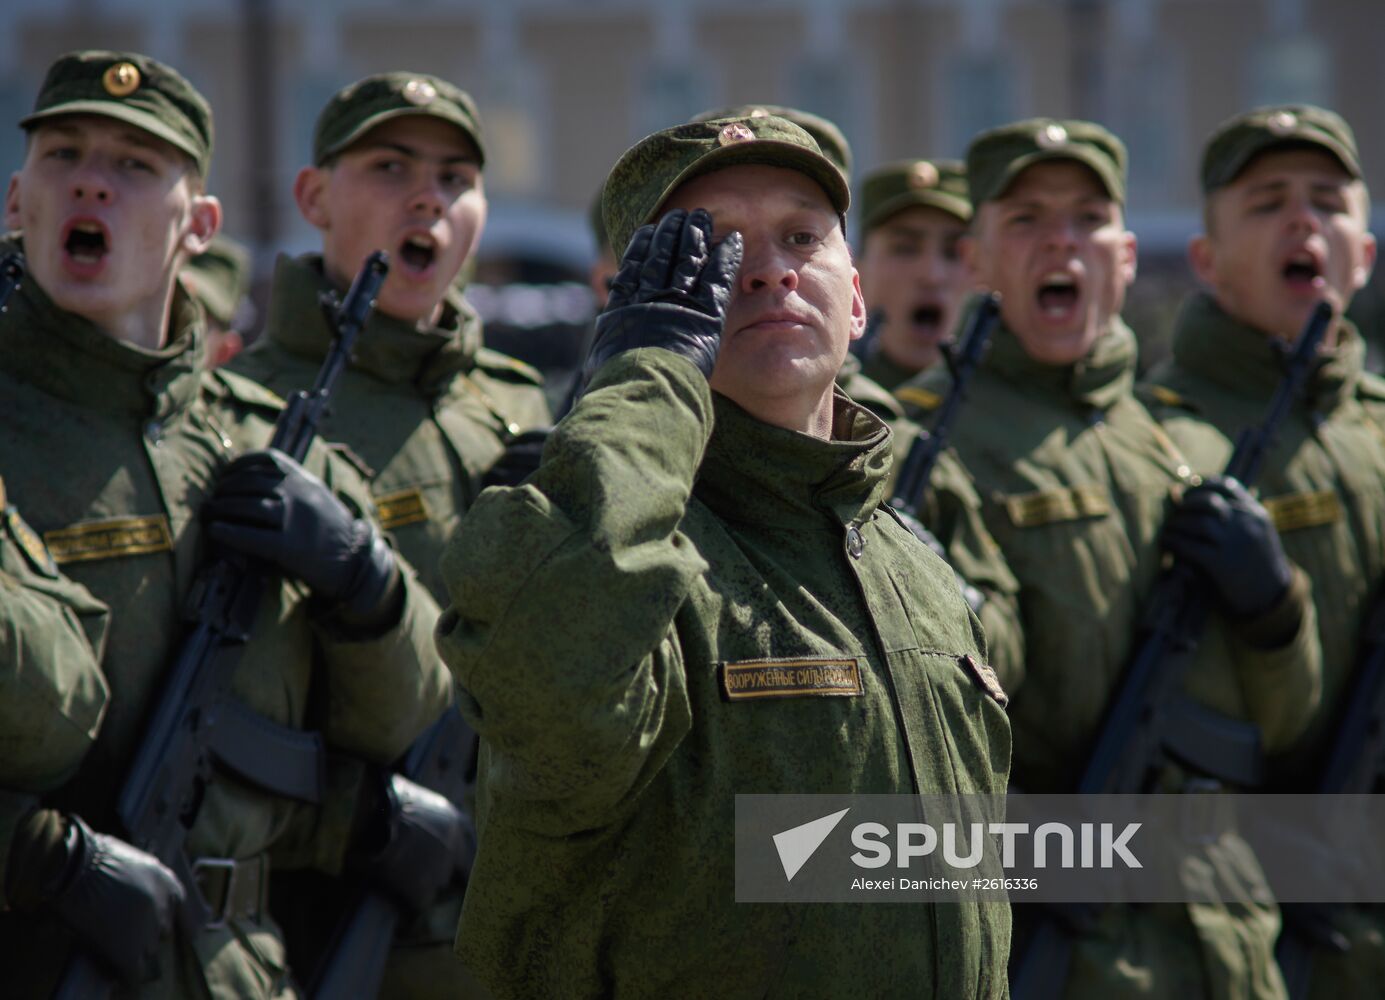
995 158
940 184
1239 140
828 137
131 88
648 172
219 278
355 110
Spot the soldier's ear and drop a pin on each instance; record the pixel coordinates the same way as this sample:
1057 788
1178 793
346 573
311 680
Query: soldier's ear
1129 257
205 222
12 217
1203 259
1362 273
858 306
309 189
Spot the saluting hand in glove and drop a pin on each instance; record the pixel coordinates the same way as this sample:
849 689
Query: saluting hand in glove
672 291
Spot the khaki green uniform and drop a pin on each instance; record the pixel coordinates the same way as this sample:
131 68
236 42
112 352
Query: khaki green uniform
593 611
866 391
428 410
52 632
979 560
111 449
1073 477
1324 484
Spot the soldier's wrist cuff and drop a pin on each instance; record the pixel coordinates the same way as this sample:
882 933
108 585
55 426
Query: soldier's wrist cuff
1278 626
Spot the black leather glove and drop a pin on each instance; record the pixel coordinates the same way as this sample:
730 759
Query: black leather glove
671 291
269 507
1223 531
118 900
973 595
425 842
520 460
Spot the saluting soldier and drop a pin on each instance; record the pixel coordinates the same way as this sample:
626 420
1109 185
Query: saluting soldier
834 145
711 507
913 215
130 460
1286 215
1074 478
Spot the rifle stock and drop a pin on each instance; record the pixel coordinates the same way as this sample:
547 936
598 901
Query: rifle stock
1134 738
167 780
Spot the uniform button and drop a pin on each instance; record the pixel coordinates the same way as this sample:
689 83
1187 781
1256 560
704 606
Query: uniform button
854 542
154 431
1184 472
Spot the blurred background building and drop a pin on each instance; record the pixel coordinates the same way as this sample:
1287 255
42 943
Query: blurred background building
565 86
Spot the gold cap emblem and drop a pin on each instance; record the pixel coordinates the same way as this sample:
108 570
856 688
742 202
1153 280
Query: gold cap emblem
735 132
1051 136
419 92
923 175
1282 122
121 79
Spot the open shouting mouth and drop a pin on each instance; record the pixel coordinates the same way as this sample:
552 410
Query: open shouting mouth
86 244
1058 295
417 254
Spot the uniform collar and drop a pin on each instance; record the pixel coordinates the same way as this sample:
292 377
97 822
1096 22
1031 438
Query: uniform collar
1103 376
1211 344
389 349
754 472
68 356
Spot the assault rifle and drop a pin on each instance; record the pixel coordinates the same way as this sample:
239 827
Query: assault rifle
923 453
1148 723
355 962
173 767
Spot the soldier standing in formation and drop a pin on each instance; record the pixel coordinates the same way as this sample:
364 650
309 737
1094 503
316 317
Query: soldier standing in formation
1075 479
710 508
913 215
123 452
1286 225
397 165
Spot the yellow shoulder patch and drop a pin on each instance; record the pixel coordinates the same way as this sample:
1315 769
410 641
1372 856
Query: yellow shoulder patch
401 507
1033 510
1166 395
245 390
110 538
1295 511
502 364
914 395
